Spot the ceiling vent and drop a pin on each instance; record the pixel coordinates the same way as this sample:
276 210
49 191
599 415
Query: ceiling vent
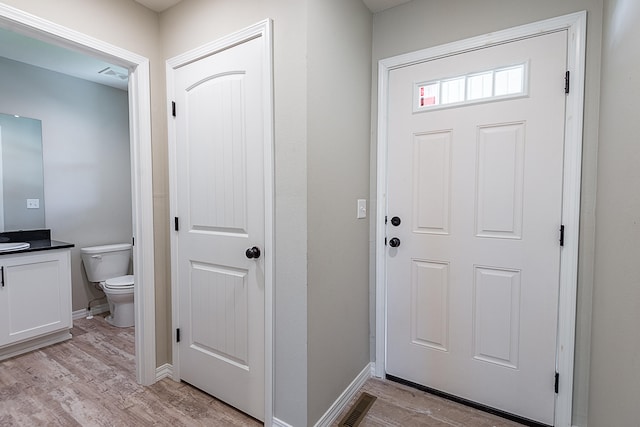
109 71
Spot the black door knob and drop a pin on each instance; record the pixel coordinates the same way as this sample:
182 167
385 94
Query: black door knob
253 252
395 221
394 242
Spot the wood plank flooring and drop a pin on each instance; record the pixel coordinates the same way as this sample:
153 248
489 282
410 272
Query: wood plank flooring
399 405
90 381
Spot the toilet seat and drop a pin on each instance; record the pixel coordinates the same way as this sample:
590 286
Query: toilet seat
119 283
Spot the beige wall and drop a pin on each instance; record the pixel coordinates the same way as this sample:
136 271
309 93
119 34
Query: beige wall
425 23
193 23
338 92
615 357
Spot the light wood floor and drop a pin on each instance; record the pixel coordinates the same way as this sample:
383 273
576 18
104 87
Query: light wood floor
90 381
399 405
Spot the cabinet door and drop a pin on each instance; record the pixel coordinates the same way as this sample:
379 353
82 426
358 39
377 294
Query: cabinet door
36 296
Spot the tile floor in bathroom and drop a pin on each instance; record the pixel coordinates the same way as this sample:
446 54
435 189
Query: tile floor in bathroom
90 381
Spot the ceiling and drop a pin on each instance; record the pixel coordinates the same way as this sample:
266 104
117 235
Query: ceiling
158 5
44 55
374 5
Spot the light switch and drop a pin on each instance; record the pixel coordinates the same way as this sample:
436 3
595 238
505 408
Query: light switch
362 209
33 203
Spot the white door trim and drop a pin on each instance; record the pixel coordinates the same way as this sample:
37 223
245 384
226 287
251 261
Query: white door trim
575 24
141 185
1 187
264 30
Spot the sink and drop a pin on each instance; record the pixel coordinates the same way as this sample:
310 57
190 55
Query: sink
13 246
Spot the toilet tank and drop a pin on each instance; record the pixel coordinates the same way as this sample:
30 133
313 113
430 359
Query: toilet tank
106 261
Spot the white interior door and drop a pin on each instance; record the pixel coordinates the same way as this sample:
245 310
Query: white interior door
472 289
221 213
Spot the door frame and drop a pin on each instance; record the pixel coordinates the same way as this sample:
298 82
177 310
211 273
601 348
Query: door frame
1 187
575 24
141 179
263 29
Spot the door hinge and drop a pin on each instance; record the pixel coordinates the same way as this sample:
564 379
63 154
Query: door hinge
385 241
566 81
562 235
178 336
175 223
557 382
173 108
133 241
385 219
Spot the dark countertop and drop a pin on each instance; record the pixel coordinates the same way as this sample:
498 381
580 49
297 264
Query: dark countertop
39 240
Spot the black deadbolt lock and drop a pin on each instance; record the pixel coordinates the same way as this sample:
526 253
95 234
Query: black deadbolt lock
394 242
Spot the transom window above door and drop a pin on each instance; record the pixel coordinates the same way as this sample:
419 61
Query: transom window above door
499 83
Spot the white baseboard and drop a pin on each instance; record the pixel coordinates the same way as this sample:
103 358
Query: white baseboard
98 309
277 423
164 371
332 413
34 344
338 406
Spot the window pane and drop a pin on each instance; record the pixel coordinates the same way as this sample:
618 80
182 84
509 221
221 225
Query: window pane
480 86
501 82
453 90
428 95
510 81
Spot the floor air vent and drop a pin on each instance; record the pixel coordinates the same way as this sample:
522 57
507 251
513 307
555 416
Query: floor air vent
359 410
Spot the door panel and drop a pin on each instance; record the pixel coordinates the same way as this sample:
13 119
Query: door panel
472 290
220 192
432 182
500 170
219 301
217 176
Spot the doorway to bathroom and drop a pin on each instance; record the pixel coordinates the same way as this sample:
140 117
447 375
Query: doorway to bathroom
139 138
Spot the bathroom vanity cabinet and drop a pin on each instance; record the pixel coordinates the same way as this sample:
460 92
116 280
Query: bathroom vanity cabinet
35 299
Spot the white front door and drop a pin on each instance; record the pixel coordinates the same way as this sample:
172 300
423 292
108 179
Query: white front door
220 166
475 178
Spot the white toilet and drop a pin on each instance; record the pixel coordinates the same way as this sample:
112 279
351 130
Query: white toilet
108 265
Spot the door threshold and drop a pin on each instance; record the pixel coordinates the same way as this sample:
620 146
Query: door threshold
484 408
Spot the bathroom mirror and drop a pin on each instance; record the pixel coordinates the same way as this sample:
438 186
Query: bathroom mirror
21 174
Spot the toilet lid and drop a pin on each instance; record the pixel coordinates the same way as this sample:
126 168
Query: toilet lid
121 282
